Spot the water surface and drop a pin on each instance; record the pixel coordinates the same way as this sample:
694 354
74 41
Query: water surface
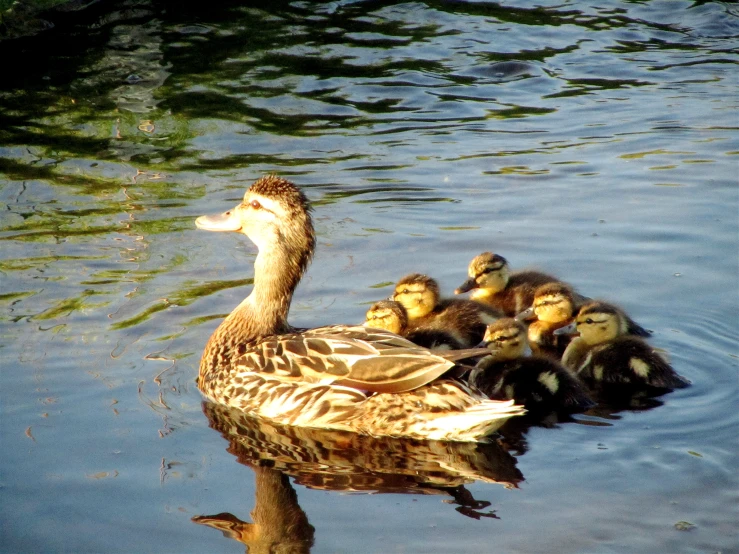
595 141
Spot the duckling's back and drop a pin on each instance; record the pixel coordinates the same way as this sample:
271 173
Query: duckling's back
464 320
519 293
540 384
628 363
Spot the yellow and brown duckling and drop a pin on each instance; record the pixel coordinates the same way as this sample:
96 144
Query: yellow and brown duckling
464 320
540 384
553 307
493 284
346 378
606 357
391 316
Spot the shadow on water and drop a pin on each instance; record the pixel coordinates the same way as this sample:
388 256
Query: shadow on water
339 461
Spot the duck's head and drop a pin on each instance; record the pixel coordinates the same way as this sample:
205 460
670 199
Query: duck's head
388 315
488 272
598 322
506 339
417 293
553 303
275 215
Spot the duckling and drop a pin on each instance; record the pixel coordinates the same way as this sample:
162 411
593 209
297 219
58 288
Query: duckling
553 307
540 384
493 284
391 316
464 320
345 378
609 359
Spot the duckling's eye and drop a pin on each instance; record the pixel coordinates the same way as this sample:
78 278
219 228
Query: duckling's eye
255 204
589 321
405 291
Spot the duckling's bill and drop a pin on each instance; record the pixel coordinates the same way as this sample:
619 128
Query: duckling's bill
227 221
467 286
526 315
567 330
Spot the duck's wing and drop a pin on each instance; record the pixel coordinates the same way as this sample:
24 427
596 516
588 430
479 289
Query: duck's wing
359 357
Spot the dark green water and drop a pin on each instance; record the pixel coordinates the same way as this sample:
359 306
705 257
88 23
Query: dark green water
596 141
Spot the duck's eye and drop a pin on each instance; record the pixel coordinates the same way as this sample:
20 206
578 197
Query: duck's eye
255 204
589 321
405 291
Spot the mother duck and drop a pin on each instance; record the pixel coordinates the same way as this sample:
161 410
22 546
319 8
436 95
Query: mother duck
349 378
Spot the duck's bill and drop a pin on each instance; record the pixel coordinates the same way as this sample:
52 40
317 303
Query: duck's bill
570 329
468 285
227 221
525 315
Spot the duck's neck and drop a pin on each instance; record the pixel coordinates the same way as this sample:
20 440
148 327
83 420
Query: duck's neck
264 311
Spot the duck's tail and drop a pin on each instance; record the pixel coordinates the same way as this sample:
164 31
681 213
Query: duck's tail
444 410
474 423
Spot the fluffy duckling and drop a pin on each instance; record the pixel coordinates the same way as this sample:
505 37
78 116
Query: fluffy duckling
540 384
464 320
391 316
553 307
493 284
608 358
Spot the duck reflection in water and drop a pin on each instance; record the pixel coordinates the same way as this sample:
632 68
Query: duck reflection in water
343 461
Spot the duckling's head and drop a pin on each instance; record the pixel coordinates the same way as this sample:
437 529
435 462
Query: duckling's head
488 272
417 293
553 303
388 315
275 215
598 322
506 338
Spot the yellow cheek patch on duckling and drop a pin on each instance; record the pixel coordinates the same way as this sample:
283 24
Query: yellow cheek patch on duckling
640 367
549 380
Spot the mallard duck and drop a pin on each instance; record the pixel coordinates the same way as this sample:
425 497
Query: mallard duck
607 357
391 316
553 307
493 284
350 378
462 319
540 384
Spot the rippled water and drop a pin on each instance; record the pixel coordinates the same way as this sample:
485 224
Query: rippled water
596 141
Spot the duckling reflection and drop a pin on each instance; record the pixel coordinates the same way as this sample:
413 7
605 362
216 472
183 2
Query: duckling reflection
343 461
